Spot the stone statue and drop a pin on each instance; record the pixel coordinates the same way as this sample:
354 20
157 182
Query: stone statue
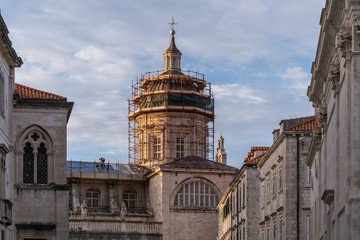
84 209
123 210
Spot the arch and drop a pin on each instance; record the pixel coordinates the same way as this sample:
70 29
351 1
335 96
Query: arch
199 191
34 156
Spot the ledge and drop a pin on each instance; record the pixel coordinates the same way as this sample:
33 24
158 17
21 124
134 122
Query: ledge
51 186
328 196
36 226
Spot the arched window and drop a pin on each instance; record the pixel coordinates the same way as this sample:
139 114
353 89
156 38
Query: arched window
92 198
35 163
196 194
129 198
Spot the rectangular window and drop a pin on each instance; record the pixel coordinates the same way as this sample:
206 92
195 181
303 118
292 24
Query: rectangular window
274 230
274 185
243 230
268 191
262 235
280 228
243 202
2 94
240 197
237 199
308 228
180 147
157 147
280 178
268 233
239 231
92 199
308 176
262 200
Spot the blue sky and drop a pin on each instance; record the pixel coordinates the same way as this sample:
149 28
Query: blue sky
257 54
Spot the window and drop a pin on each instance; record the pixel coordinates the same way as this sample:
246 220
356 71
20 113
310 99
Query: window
2 94
157 147
129 198
308 177
179 147
268 233
197 194
274 230
237 199
262 235
92 198
280 228
274 185
308 228
243 192
240 197
243 230
268 191
35 173
239 231
225 209
280 178
262 198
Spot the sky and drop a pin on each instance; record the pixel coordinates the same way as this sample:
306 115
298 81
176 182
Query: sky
257 55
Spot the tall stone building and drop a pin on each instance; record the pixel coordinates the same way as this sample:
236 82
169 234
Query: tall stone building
170 189
285 182
33 190
238 209
335 149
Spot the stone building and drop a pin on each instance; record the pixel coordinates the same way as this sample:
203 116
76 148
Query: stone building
33 190
238 209
334 152
285 182
170 189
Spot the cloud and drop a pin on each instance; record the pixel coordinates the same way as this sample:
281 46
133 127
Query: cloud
235 93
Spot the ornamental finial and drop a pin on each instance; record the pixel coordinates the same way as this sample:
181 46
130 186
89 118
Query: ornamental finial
172 23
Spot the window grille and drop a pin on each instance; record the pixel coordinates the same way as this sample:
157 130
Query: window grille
180 147
28 164
129 198
92 198
196 194
42 165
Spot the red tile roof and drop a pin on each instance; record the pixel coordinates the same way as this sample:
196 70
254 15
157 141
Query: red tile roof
304 126
255 160
300 118
29 93
251 155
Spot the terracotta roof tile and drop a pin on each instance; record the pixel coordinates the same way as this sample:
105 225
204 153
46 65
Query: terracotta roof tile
304 126
300 118
254 160
29 93
259 149
256 154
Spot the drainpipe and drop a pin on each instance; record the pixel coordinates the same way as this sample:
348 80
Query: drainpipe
297 187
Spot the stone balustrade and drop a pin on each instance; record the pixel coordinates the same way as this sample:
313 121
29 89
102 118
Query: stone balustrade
114 226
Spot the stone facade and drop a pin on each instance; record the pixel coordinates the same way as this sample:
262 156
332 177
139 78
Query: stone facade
238 209
284 182
33 190
334 153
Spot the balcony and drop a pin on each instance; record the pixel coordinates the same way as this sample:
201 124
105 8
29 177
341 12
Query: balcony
5 212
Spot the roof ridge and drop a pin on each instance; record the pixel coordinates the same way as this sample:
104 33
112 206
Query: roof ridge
283 120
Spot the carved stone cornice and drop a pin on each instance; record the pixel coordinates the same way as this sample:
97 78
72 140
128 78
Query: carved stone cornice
317 136
343 42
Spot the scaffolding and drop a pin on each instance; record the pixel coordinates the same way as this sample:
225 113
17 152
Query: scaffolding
170 104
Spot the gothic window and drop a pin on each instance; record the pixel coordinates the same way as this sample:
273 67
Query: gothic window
35 159
157 147
92 198
196 194
28 164
179 147
129 198
42 165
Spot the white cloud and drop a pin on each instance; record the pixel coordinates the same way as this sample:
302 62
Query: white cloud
235 93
